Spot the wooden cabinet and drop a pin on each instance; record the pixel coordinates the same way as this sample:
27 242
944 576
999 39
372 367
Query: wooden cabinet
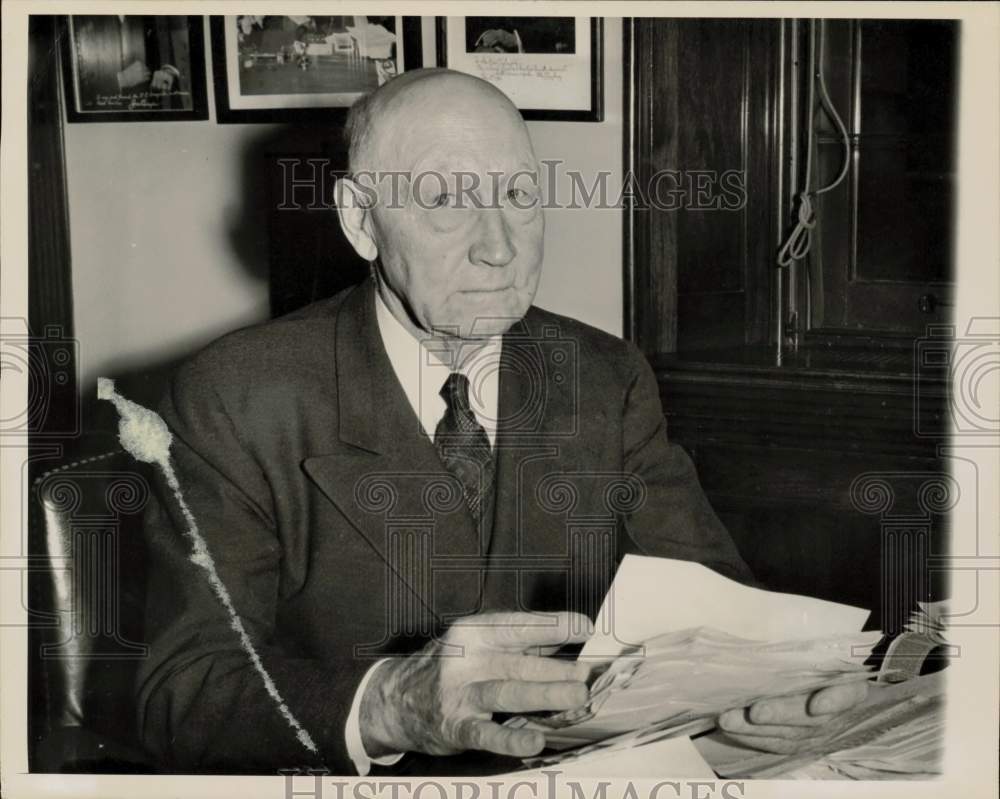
700 101
793 444
882 260
823 470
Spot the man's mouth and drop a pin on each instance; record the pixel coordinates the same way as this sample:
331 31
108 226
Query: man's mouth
487 291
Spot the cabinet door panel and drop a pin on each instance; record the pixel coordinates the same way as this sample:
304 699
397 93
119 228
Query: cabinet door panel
701 105
883 257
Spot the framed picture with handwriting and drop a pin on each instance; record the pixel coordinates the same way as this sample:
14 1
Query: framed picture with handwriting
550 67
134 68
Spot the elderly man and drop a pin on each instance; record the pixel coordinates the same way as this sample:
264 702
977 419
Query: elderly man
390 482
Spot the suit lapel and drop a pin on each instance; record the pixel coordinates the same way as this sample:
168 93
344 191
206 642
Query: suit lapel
536 413
386 477
388 481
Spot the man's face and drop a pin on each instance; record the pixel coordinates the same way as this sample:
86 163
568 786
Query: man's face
462 248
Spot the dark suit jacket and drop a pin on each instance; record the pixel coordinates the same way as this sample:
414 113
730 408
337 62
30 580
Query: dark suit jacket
341 538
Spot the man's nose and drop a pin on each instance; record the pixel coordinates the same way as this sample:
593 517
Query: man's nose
493 245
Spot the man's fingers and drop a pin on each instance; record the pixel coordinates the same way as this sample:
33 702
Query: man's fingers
475 733
536 669
515 696
735 722
808 709
783 710
838 698
517 632
784 746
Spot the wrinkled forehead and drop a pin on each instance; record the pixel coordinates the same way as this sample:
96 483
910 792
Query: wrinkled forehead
449 126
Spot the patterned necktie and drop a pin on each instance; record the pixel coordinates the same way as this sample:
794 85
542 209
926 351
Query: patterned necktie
464 446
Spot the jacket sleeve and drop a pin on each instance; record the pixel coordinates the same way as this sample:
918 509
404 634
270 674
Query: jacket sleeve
202 705
676 520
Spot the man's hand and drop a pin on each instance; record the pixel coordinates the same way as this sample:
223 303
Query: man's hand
441 700
163 79
134 74
789 723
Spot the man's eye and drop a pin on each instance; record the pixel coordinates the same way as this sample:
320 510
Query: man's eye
441 200
521 198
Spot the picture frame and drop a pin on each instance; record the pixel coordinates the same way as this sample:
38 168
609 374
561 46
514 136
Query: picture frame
275 69
133 68
528 57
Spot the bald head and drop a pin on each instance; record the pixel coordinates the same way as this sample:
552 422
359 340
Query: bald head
456 243
432 97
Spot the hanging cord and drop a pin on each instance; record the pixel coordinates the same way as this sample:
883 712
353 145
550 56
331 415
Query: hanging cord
799 241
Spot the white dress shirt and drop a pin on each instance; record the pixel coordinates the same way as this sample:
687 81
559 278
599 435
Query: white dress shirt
422 366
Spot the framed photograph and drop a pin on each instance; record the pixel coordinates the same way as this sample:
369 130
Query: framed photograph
551 67
134 68
298 68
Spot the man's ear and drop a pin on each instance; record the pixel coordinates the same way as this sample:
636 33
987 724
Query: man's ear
354 205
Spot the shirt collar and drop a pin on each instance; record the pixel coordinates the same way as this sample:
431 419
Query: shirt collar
421 366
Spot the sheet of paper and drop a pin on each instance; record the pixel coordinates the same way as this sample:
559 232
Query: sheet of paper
651 596
674 757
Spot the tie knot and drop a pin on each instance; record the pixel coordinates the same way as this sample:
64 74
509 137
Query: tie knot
455 392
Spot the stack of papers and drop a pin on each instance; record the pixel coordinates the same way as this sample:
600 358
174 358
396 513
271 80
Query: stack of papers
913 750
696 674
898 733
676 644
